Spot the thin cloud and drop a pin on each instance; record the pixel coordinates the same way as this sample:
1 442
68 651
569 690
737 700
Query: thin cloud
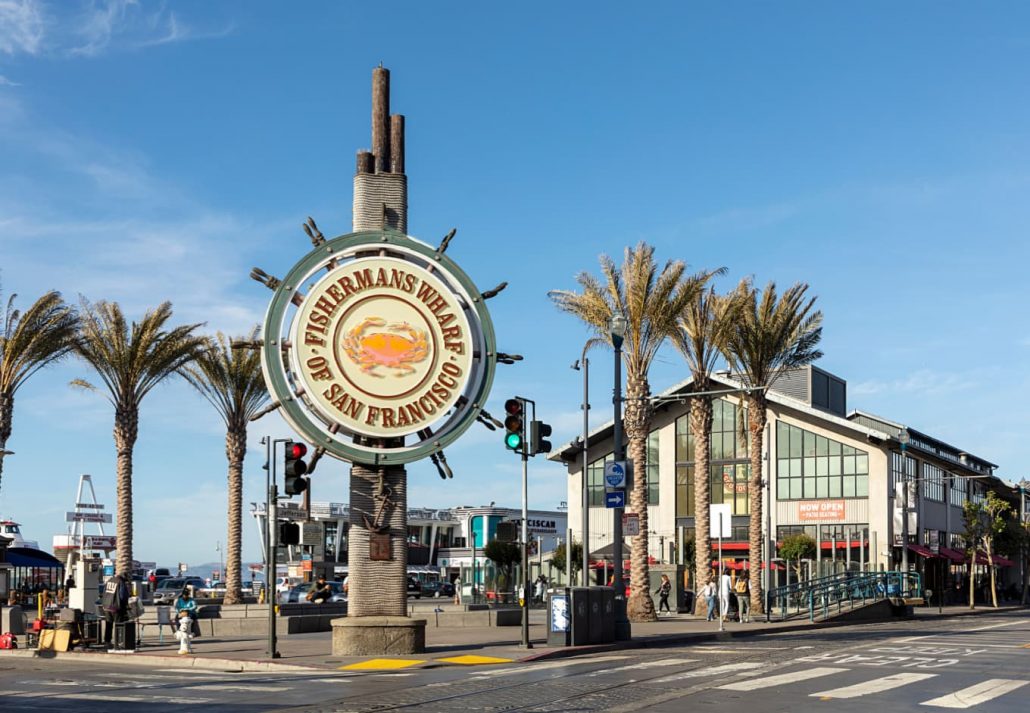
923 381
5 82
21 27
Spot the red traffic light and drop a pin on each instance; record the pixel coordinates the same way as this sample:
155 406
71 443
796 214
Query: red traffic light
513 407
296 450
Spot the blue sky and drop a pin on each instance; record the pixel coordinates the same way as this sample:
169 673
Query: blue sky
153 151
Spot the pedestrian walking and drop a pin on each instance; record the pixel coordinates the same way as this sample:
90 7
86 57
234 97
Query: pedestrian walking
457 591
743 590
115 604
663 594
708 593
725 588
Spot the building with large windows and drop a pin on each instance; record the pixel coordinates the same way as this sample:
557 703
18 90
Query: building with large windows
829 472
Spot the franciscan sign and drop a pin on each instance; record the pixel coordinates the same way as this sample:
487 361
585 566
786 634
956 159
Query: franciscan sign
378 348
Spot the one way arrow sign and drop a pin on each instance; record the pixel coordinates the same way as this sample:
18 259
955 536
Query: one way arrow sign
615 499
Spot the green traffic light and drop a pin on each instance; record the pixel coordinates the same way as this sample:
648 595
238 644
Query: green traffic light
513 441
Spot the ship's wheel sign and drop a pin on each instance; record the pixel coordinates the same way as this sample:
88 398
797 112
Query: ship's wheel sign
385 339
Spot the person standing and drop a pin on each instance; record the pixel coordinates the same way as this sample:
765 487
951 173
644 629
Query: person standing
725 588
708 592
115 604
743 590
663 594
457 590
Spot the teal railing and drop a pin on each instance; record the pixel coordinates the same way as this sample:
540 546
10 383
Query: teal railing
834 593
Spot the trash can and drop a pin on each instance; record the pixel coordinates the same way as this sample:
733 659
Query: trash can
580 599
559 617
596 614
606 621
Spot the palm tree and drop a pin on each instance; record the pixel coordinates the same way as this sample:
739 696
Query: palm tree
231 380
30 341
651 302
703 329
130 361
770 335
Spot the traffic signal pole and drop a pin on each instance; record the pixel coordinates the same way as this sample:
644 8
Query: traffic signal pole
526 643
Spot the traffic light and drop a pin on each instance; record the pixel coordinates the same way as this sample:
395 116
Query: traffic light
514 425
295 468
538 433
289 533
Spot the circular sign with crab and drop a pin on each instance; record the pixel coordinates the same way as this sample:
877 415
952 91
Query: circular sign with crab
378 348
383 346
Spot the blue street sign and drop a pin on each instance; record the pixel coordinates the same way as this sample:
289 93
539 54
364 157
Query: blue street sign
615 474
615 499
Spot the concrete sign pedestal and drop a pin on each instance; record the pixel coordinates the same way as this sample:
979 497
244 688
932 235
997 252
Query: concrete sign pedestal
378 636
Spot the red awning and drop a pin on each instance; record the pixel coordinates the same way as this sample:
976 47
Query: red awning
954 555
1000 561
922 551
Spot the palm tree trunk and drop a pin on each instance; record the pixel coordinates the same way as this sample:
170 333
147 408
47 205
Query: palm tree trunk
235 451
756 426
640 607
6 414
377 587
126 429
701 428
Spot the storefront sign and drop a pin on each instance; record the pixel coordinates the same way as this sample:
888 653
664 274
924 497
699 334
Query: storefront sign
821 510
87 517
535 526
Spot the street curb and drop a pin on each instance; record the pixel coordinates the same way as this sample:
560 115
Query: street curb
660 640
197 662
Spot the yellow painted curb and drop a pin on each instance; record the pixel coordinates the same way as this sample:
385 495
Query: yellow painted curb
381 664
470 660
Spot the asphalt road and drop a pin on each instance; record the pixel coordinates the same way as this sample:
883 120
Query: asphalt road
974 662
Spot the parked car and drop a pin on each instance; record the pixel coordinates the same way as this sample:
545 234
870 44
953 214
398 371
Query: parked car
170 588
283 584
435 588
299 593
414 588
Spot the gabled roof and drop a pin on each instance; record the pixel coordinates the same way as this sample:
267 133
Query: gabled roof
923 441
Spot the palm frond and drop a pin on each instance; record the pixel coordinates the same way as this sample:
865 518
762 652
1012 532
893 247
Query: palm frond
230 379
35 338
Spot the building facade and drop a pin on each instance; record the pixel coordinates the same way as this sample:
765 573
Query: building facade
831 473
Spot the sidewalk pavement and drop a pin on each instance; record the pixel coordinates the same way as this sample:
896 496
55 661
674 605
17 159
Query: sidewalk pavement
444 645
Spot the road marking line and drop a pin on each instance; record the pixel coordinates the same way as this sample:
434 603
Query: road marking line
203 687
977 694
780 679
711 671
876 685
994 626
533 667
381 664
135 699
659 663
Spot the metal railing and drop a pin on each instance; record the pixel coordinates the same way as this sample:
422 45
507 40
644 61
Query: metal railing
834 593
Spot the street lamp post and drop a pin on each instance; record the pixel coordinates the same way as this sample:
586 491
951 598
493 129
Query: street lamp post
586 486
903 438
622 626
1024 485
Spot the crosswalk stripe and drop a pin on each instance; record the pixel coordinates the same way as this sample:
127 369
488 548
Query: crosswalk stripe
876 685
974 695
657 663
769 681
711 671
533 667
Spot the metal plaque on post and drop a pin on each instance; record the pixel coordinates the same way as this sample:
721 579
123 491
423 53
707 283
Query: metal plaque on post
379 546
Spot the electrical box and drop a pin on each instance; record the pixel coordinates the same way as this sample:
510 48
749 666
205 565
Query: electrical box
84 594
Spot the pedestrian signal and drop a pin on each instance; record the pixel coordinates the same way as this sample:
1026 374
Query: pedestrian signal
289 533
514 425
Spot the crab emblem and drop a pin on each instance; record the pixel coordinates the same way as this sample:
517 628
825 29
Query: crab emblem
400 346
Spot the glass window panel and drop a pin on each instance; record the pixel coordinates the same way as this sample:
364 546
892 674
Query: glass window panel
862 486
809 469
783 468
809 487
795 467
834 466
849 451
822 446
795 442
795 489
862 463
809 440
834 448
822 487
849 486
729 416
849 465
822 466
835 491
783 489
782 440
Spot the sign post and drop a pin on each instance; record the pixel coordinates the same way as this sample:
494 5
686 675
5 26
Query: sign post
719 526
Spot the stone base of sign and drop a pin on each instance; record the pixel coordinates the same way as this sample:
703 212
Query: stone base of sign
378 636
